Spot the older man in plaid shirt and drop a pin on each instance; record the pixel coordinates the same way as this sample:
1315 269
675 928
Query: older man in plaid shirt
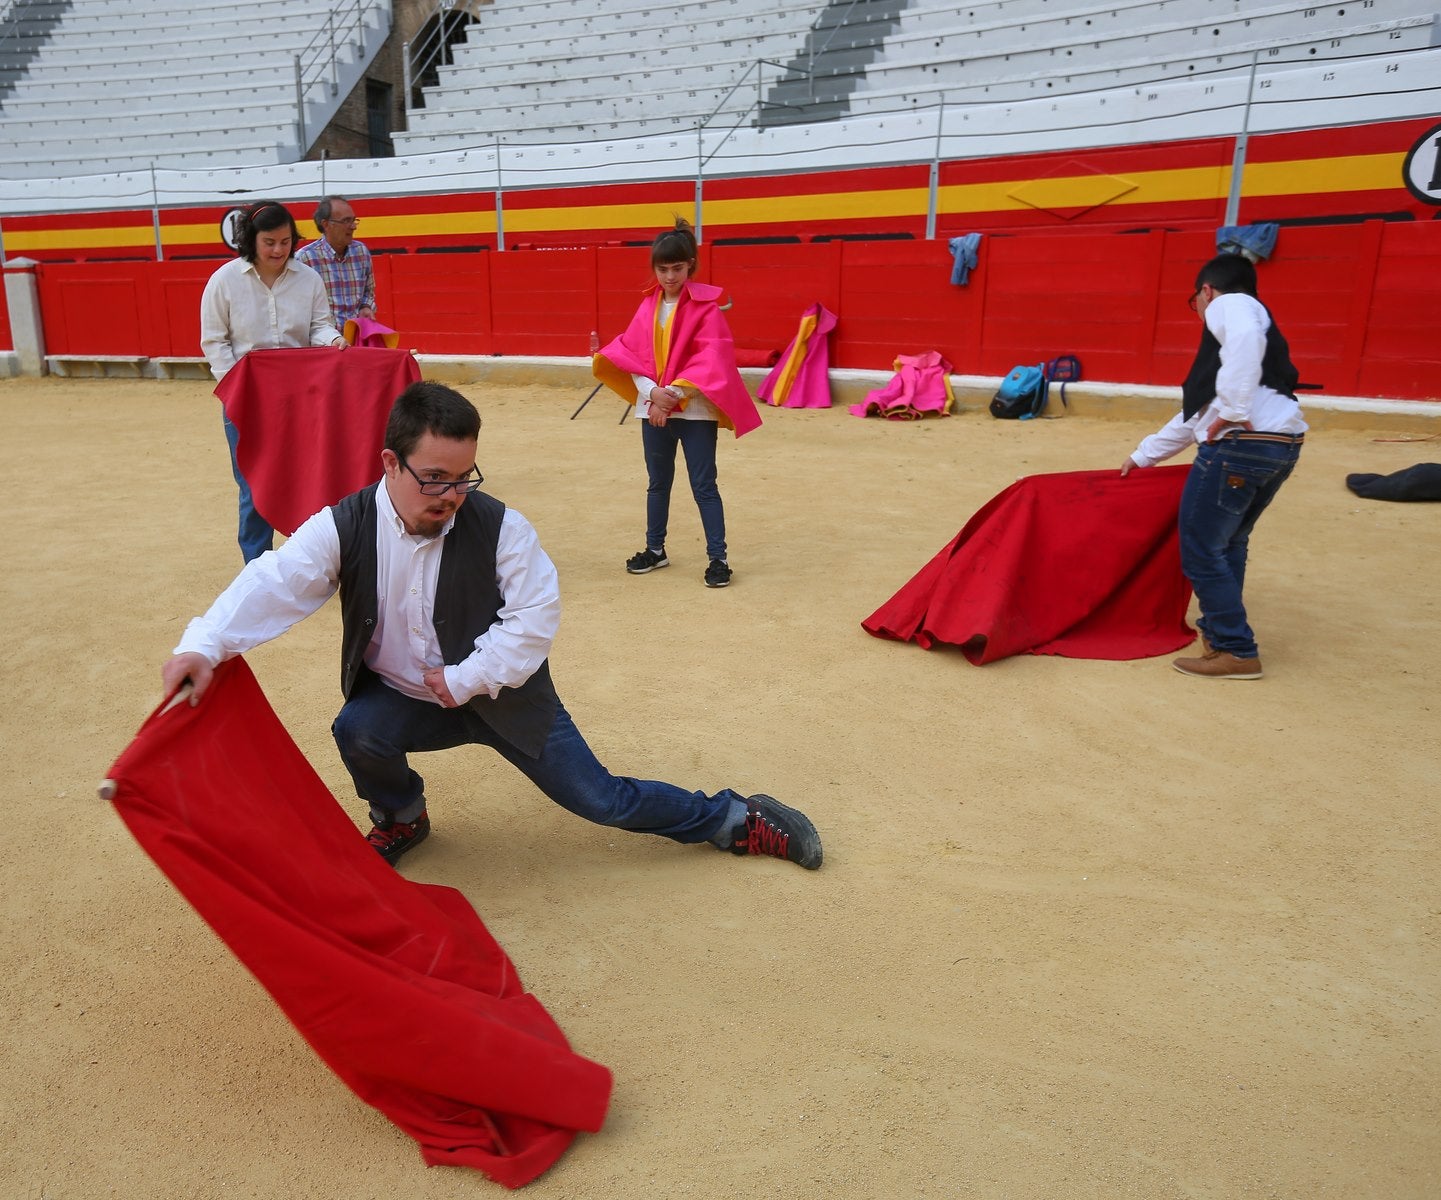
343 262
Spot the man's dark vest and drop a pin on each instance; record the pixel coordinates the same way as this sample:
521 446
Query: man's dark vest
1277 371
467 603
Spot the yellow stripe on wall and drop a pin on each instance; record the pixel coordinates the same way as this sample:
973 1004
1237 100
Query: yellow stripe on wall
1359 172
1355 173
596 216
109 237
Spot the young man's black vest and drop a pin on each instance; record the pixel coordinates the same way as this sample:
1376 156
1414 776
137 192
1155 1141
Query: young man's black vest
467 602
1277 371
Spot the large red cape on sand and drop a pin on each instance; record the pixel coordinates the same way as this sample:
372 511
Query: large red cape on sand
397 985
1084 564
312 423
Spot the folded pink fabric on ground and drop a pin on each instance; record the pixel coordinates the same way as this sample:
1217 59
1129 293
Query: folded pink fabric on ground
921 387
1084 564
397 985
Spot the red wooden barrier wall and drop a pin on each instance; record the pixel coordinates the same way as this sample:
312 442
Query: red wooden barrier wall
1359 303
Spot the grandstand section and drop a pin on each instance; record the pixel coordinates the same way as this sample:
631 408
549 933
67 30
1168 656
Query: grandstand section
97 86
1062 130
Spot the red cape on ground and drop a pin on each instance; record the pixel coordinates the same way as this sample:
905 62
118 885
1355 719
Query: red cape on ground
1084 564
312 423
397 985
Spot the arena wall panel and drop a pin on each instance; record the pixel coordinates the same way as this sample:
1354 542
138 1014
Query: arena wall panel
1358 302
1336 175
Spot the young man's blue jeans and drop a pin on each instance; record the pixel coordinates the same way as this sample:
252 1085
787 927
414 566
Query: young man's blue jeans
379 726
1230 484
698 439
255 533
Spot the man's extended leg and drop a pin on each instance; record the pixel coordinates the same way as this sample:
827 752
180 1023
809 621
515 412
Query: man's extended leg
568 771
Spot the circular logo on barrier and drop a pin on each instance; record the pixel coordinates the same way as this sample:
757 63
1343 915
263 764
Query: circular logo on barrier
1422 168
230 228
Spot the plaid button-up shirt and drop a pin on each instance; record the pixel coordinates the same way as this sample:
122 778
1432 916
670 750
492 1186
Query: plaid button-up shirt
349 281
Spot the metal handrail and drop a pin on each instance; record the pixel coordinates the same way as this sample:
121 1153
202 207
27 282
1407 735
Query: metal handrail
418 58
317 63
813 51
6 12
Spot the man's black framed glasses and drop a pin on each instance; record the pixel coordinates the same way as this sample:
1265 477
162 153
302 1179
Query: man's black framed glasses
438 487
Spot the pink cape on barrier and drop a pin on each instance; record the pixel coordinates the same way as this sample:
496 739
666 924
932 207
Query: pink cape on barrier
1083 564
801 379
311 423
396 985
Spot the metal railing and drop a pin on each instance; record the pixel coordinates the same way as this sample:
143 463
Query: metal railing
317 63
432 49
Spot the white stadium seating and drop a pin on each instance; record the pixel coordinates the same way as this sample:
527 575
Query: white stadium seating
610 88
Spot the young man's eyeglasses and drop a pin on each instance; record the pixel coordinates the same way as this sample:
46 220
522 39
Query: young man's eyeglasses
438 487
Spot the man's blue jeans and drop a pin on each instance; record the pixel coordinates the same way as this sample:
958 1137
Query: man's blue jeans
698 438
379 727
1230 484
255 533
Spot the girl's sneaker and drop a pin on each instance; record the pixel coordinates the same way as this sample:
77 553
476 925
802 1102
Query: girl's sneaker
718 574
646 561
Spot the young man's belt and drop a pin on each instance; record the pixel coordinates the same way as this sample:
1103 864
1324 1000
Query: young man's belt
1246 435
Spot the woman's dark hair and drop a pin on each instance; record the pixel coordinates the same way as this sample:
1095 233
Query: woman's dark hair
262 218
676 245
429 407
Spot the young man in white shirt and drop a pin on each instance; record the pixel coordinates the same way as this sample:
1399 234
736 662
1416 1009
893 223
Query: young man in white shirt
449 607
1239 409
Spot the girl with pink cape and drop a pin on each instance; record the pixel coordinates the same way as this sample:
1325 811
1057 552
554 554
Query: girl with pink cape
676 363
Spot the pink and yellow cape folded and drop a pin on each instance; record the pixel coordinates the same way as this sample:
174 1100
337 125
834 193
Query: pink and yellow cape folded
396 985
363 331
802 377
921 387
1083 564
695 348
311 424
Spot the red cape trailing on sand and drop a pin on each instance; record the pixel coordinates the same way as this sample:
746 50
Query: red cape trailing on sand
801 378
397 985
1084 564
311 424
695 348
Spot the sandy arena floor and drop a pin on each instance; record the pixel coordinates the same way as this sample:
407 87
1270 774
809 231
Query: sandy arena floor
1085 929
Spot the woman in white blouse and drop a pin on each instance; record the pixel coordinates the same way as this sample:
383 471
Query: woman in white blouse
263 299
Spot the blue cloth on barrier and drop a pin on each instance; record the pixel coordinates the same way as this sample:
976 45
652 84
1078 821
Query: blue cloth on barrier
1254 241
963 257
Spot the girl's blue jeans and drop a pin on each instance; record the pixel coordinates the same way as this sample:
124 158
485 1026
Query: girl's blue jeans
698 438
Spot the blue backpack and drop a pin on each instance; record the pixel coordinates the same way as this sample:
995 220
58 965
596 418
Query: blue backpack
1022 394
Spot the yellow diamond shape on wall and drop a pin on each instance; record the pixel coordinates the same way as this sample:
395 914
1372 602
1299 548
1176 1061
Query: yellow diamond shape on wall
1071 191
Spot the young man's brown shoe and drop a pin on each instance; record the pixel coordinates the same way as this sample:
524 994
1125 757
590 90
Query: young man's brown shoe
1217 664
